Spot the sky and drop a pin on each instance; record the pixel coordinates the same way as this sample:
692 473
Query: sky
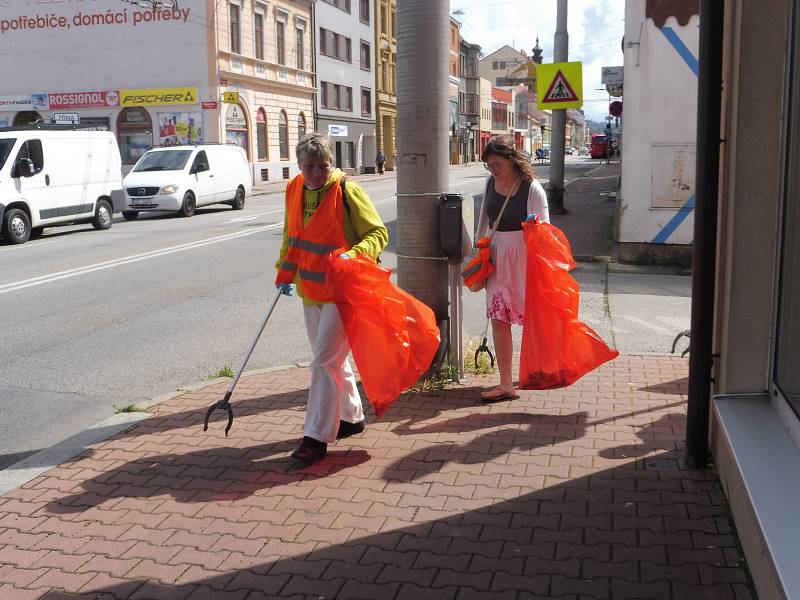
595 30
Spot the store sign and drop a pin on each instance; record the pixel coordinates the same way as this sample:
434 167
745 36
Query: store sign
337 130
66 118
611 75
234 119
158 97
32 102
83 100
230 97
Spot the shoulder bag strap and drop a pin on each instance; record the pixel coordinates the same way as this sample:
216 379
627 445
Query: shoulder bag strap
513 191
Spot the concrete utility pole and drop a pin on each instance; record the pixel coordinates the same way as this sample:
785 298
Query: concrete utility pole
423 55
559 126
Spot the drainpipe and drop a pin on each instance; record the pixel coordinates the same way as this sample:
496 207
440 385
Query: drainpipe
709 101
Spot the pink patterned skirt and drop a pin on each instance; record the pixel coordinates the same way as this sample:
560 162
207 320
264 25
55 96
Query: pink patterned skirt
505 288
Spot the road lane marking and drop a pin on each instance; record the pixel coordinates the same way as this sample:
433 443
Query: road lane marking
255 216
42 279
23 246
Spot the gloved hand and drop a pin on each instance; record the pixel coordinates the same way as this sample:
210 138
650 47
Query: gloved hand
532 217
285 288
344 256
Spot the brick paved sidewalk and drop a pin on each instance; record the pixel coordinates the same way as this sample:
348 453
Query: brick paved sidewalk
571 494
591 202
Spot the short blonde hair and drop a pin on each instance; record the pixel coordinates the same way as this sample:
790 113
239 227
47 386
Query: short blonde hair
315 145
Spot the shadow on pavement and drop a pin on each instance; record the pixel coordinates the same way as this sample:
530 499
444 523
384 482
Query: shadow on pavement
622 533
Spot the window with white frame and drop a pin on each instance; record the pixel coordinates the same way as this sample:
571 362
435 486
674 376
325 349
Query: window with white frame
280 37
235 27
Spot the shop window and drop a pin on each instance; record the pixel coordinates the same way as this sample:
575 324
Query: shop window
301 125
261 134
134 133
236 128
787 346
27 117
283 135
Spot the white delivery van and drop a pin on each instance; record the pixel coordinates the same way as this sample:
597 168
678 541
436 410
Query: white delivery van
52 175
181 178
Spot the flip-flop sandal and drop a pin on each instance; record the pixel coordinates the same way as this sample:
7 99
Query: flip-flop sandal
489 397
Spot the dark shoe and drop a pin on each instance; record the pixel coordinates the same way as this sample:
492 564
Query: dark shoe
346 429
310 450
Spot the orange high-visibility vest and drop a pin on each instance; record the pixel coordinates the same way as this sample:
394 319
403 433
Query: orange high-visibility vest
309 245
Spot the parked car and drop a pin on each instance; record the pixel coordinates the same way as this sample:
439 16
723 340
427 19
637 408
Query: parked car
181 178
569 150
51 175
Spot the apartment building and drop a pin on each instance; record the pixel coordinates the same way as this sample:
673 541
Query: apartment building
345 56
264 52
386 80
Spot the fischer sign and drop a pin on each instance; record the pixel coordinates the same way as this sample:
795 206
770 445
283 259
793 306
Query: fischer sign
84 100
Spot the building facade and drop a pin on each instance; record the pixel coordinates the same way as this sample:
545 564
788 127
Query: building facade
755 283
386 80
345 51
469 101
192 54
656 214
264 54
453 88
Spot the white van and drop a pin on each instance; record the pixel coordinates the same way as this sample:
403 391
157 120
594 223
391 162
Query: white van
181 178
52 175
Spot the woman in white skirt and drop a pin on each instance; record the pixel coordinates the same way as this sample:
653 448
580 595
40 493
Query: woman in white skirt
511 175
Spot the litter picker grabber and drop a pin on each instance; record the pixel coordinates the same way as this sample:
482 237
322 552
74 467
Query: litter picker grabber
225 404
484 347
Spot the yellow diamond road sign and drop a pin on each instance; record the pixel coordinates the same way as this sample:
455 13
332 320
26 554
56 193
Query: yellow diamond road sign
559 85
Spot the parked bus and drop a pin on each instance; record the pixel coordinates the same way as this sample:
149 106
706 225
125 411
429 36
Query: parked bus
599 146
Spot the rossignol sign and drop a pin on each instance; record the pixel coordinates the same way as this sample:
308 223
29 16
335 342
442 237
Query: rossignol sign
83 100
158 97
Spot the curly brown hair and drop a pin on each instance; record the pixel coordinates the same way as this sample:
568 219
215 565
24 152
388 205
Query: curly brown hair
503 145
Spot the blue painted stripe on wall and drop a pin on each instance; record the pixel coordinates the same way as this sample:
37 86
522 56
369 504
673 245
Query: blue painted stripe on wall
683 212
680 48
678 218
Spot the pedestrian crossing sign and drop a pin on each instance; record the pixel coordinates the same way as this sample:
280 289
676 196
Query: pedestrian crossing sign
559 85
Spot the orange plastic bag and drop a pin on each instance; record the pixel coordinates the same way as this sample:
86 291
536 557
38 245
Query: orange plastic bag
557 348
479 268
393 336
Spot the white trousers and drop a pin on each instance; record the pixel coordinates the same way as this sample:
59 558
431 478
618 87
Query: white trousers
333 394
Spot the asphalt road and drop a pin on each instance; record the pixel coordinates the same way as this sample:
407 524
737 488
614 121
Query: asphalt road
95 320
